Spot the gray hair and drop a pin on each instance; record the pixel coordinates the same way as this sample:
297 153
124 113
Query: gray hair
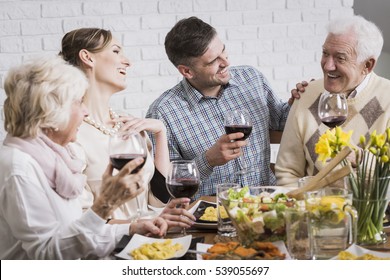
40 94
369 38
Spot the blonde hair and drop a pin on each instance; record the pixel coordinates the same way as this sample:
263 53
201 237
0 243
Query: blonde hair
40 94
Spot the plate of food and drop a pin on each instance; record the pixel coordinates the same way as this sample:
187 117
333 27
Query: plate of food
147 248
205 213
235 251
355 252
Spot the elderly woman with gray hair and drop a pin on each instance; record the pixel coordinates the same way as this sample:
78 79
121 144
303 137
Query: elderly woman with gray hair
40 179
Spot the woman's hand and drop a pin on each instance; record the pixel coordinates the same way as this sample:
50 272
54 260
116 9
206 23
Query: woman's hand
178 217
159 131
118 189
137 124
149 227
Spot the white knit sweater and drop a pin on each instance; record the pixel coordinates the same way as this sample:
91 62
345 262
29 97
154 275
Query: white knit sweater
367 112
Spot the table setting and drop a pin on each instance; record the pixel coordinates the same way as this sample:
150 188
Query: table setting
313 222
204 234
320 220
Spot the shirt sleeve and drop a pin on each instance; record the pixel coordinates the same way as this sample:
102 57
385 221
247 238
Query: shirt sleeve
50 227
205 169
157 187
278 109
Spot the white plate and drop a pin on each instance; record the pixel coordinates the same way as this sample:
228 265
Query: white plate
360 251
138 240
210 225
201 247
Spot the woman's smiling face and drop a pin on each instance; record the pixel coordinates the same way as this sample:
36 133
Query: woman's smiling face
111 66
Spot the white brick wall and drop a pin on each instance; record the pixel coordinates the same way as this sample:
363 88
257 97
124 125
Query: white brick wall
282 38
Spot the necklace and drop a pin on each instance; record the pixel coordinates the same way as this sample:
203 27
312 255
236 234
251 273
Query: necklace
102 128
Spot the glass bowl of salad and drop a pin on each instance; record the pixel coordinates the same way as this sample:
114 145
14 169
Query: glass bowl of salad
258 212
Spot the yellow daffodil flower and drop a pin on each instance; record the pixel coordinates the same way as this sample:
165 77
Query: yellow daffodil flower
371 178
332 142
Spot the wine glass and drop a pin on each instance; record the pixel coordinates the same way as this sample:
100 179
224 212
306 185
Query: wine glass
125 146
332 109
183 180
239 121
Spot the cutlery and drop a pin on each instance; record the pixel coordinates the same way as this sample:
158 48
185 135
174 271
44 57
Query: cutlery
197 252
325 176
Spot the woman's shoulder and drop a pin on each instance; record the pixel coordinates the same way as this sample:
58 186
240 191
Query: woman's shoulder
16 162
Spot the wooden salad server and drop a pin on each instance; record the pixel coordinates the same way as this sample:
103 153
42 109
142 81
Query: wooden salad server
325 176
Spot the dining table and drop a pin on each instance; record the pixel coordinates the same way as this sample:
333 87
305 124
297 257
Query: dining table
210 235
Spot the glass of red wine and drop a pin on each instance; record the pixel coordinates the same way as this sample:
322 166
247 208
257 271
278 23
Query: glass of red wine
183 180
239 121
333 109
125 146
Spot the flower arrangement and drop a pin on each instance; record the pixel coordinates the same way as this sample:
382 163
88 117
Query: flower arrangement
370 181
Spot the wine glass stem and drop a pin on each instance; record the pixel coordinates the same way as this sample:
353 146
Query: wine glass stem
136 216
183 230
242 160
138 207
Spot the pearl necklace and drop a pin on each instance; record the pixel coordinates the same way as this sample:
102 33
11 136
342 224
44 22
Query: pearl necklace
102 128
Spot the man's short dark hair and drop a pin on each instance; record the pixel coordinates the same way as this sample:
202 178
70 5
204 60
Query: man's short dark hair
189 38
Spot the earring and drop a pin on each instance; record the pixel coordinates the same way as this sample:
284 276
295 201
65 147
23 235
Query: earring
55 129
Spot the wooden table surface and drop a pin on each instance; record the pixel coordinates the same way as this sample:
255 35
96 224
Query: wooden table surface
211 237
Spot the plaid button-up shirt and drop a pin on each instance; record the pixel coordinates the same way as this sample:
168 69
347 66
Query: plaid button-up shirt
194 123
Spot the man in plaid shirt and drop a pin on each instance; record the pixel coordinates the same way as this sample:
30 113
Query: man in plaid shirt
193 110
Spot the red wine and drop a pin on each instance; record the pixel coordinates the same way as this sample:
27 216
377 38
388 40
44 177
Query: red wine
120 160
183 188
246 129
333 121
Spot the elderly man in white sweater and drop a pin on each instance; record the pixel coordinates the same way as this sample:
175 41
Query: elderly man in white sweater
349 55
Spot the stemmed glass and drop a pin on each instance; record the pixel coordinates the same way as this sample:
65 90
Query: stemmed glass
125 146
332 109
239 121
183 180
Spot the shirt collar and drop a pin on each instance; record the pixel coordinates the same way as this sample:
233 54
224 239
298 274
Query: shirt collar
194 96
190 93
360 87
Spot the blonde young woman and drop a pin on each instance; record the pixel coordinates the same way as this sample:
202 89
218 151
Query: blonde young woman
40 178
100 56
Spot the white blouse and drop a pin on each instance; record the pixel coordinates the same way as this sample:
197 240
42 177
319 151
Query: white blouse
36 223
92 147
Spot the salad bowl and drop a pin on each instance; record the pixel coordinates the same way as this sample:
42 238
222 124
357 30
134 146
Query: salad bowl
257 212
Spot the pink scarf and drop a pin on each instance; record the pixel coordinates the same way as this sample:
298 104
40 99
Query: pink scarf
63 171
